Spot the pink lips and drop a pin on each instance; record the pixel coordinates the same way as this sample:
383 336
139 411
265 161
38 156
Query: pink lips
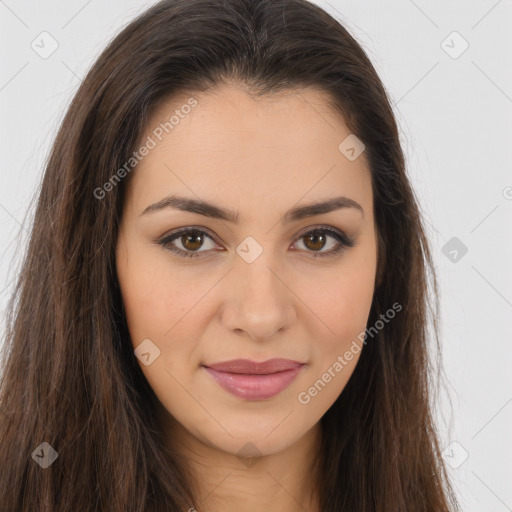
252 380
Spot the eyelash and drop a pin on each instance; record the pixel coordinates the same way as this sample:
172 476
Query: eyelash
343 241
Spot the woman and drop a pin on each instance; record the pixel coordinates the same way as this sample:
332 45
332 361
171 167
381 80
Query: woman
224 303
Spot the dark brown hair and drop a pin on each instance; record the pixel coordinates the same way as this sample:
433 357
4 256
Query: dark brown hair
70 377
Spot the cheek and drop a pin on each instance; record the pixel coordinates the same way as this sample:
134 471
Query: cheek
341 299
155 298
156 304
341 302
161 305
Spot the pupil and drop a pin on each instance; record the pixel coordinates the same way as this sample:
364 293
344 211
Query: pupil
193 239
315 239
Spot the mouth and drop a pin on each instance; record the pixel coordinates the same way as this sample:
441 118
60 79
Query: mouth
252 380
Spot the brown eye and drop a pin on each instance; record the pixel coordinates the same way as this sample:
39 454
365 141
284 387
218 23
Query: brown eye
315 242
190 240
317 239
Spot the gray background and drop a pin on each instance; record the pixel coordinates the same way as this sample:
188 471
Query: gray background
454 113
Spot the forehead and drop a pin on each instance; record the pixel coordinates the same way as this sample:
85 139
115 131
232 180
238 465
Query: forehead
234 147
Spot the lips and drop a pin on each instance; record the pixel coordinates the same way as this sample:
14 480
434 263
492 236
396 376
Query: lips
253 367
253 380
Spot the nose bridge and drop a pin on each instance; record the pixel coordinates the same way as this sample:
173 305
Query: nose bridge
259 281
261 303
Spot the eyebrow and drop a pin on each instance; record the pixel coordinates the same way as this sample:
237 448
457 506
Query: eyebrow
211 210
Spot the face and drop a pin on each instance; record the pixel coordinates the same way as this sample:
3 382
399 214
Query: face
201 288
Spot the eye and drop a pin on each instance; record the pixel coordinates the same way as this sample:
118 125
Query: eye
192 239
315 240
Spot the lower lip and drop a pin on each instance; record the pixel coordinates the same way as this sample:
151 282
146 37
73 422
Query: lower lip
254 387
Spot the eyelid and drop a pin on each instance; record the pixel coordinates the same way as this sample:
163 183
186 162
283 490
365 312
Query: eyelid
186 229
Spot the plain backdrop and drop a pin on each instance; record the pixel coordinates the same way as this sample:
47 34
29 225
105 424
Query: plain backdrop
448 68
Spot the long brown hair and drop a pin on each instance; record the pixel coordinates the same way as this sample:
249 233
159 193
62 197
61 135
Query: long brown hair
70 377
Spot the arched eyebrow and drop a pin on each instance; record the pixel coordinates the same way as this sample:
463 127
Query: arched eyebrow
207 209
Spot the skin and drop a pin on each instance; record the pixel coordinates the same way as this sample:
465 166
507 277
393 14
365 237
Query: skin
258 157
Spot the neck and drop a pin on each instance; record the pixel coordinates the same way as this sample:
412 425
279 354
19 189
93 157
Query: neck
286 481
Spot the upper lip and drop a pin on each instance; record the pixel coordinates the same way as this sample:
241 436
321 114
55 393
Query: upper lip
248 366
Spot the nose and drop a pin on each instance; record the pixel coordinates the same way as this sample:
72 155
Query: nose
260 301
